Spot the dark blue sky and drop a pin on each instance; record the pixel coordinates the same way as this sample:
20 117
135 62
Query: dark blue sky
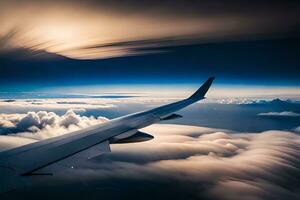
258 62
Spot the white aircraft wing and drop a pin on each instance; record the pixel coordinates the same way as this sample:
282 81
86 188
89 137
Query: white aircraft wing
28 159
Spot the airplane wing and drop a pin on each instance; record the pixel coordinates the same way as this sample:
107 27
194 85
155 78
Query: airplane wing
28 159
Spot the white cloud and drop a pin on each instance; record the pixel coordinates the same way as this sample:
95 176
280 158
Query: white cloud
280 114
42 124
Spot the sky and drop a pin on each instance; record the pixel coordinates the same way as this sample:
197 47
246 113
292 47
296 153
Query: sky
61 43
67 65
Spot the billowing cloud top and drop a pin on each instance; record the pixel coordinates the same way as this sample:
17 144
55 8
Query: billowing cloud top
43 125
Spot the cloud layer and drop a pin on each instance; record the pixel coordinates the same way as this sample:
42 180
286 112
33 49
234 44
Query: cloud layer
182 161
64 104
194 162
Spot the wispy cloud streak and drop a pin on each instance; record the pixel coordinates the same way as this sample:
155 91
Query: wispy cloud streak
102 29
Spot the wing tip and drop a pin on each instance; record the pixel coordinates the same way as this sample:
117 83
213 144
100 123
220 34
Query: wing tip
200 93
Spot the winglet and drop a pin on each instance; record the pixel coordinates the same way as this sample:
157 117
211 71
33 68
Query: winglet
200 93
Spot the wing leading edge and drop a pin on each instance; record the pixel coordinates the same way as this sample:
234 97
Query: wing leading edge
29 158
